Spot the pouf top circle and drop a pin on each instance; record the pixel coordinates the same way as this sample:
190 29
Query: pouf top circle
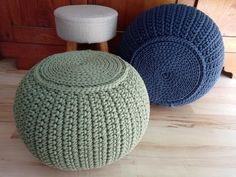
170 76
85 13
81 70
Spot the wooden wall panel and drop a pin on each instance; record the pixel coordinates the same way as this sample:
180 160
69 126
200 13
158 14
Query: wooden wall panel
223 12
230 64
74 2
120 6
230 44
5 23
34 12
135 8
28 30
188 2
230 56
153 3
129 9
28 54
36 35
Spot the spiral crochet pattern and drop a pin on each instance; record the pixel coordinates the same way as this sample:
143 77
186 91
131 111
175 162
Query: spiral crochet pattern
81 110
178 52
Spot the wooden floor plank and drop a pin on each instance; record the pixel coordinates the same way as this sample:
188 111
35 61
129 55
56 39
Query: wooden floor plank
196 140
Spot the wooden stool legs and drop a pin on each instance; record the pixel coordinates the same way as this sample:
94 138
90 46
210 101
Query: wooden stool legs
71 46
103 46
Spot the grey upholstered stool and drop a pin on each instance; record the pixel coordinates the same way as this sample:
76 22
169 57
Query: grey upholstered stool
86 24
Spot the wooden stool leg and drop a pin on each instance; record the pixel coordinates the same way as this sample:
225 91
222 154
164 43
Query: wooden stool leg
103 46
230 72
71 46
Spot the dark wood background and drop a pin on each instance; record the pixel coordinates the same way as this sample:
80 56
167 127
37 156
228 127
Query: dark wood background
27 28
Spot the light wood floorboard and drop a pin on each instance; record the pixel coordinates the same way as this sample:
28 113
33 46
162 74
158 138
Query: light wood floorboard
197 140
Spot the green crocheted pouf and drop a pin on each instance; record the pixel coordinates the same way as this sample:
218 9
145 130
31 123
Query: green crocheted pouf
81 110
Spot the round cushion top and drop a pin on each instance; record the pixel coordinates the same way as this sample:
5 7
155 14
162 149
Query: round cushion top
81 70
86 23
85 13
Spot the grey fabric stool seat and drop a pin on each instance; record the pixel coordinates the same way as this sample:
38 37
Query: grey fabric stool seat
86 24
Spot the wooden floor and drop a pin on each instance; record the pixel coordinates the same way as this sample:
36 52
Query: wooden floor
197 140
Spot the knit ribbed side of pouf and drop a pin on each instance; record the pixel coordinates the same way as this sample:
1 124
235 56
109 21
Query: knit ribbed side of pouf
178 51
81 110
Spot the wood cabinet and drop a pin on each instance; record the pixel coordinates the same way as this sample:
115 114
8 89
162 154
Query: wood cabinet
223 12
27 28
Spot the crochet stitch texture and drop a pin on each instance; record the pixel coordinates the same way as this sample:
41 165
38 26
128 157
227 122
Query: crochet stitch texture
177 50
81 110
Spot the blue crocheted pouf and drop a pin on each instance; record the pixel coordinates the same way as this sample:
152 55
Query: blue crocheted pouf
178 51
